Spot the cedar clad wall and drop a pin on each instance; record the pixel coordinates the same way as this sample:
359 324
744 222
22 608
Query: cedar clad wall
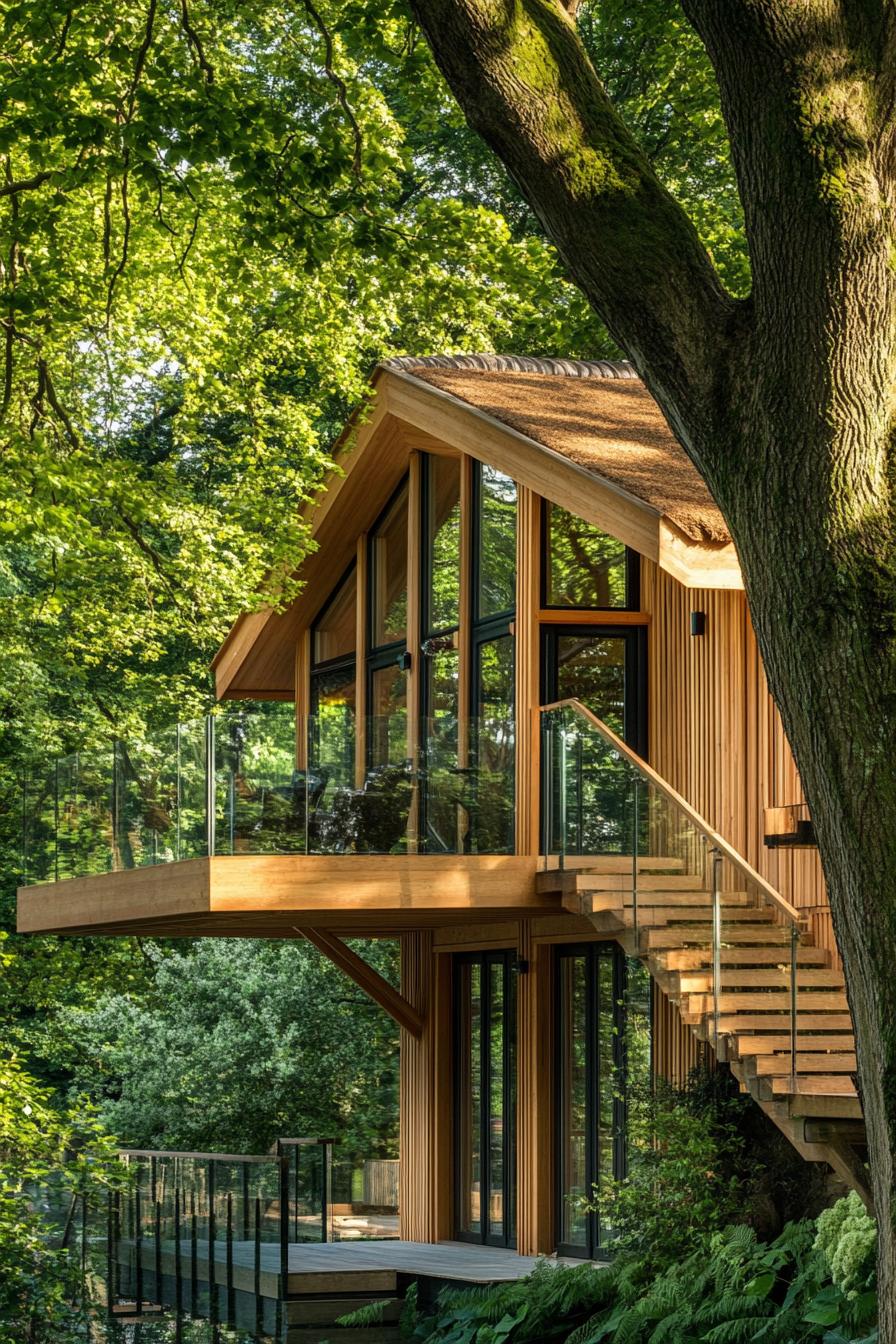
716 735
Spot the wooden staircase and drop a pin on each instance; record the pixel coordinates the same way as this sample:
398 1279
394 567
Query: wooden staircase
665 915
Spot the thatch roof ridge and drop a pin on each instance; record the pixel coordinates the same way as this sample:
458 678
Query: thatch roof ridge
489 363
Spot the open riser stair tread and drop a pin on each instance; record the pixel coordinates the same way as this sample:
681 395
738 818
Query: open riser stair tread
669 919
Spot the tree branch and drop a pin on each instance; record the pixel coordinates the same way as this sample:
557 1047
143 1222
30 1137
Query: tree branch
525 83
338 83
26 184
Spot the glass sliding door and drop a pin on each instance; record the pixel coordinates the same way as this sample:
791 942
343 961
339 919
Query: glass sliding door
485 1097
603 1032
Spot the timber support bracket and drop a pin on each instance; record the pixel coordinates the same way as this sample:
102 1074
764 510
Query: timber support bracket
366 978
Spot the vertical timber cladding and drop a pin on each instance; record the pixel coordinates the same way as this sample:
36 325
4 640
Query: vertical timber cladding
424 1192
535 1230
716 735
674 1049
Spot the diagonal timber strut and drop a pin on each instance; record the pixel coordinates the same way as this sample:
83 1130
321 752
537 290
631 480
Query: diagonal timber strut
367 979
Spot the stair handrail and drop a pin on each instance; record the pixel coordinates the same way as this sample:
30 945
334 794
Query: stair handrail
700 823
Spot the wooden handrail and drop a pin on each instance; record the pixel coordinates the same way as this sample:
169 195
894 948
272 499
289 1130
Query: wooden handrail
717 841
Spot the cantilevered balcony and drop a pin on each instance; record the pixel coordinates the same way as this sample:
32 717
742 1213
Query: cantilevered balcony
212 827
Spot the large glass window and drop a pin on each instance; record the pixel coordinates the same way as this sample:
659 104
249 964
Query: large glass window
603 1015
495 497
387 726
441 486
387 718
389 574
331 733
485 1096
585 568
334 631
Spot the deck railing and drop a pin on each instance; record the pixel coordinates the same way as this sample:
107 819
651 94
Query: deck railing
192 1228
694 905
230 784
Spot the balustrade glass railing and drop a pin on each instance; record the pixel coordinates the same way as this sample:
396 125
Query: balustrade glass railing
235 783
718 938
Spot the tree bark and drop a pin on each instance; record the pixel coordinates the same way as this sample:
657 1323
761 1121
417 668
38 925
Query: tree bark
784 401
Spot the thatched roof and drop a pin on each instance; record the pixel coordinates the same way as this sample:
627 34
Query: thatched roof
598 414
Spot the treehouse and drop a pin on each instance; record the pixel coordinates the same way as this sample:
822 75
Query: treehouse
516 717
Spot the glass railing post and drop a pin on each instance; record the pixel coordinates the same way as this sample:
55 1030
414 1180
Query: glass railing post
794 989
210 799
325 1191
283 1173
715 860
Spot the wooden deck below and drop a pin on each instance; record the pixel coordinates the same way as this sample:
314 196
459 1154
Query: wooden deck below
341 1268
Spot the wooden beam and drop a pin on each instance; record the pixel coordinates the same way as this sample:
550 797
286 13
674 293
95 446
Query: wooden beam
528 662
366 978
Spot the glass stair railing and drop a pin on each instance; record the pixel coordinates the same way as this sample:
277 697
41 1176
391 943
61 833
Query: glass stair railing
635 858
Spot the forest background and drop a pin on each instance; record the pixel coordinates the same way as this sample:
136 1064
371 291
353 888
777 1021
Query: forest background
214 219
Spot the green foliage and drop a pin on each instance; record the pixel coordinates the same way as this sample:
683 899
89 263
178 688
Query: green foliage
733 1290
847 1238
238 1043
545 1305
686 1173
48 1158
658 75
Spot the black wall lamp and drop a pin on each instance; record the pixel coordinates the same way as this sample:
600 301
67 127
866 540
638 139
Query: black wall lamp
698 622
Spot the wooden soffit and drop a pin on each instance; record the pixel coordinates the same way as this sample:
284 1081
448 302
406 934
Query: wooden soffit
257 660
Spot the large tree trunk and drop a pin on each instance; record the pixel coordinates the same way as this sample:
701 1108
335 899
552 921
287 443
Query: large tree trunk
784 401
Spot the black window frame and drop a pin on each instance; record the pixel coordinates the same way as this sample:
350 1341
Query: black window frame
476 541
344 661
632 569
486 958
430 632
591 951
393 645
635 636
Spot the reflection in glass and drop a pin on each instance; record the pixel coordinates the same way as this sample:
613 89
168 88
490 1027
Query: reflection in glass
387 742
496 543
591 668
485 999
331 747
584 566
443 541
469 1065
492 749
604 1052
335 628
389 575
497 1119
573 1103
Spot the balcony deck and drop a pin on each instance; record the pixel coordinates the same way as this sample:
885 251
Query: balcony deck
267 895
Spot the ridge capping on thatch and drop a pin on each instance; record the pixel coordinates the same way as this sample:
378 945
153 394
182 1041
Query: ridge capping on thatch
568 368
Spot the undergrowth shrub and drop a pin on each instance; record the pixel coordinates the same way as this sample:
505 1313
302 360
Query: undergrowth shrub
734 1290
687 1172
